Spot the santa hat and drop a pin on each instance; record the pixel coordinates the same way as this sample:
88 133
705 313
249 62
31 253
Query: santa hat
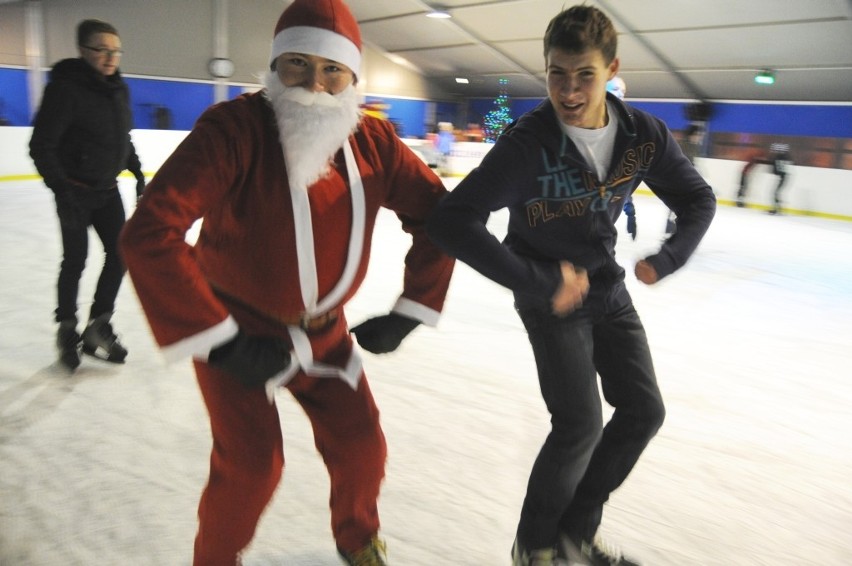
325 28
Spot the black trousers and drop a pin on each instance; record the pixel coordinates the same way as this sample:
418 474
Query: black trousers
782 178
104 211
582 461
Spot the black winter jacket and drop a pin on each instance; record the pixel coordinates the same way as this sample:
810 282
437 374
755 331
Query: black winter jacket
81 133
560 210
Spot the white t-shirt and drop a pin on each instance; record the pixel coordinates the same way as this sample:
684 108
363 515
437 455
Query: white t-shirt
595 146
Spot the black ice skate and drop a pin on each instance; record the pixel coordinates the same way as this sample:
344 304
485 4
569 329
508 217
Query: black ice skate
68 344
101 342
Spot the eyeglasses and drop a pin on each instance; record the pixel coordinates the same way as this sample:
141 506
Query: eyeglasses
105 51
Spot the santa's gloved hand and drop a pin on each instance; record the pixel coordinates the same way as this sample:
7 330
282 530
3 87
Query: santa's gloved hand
630 212
251 359
383 334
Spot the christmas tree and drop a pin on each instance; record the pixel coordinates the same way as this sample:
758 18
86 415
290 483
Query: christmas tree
499 117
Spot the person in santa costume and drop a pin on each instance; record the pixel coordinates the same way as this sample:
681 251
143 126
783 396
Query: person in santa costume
288 182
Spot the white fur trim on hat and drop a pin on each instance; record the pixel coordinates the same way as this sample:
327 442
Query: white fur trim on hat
317 41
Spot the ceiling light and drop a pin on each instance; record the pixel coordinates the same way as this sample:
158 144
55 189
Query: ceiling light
439 14
462 80
765 77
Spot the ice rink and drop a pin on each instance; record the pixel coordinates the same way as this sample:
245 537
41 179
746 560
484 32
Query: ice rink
752 467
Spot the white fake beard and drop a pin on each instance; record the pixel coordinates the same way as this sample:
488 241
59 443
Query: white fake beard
312 127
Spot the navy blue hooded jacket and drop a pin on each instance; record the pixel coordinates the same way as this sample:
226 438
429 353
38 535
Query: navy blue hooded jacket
560 210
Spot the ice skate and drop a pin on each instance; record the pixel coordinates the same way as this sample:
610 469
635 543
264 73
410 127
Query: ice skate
101 342
592 553
374 554
68 344
537 557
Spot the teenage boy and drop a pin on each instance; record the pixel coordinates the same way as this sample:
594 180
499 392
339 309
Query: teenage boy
564 170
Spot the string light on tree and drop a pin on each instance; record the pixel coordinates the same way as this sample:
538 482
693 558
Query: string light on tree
498 117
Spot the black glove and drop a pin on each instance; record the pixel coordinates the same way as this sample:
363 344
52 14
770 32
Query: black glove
383 334
251 359
140 185
630 212
68 209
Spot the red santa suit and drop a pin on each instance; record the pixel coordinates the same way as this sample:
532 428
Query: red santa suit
278 262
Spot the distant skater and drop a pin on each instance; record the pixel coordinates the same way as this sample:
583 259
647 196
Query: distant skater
782 163
745 174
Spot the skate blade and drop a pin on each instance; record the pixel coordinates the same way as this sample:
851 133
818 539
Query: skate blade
103 355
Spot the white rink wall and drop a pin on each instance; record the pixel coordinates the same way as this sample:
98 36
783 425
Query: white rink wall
153 147
751 468
809 190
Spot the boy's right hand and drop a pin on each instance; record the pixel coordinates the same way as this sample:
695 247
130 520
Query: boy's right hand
572 291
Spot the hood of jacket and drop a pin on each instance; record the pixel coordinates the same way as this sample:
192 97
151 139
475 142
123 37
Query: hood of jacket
79 71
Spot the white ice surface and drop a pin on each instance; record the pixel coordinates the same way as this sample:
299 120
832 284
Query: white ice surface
752 467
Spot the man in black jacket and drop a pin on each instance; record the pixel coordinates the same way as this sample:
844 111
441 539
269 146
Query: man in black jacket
80 144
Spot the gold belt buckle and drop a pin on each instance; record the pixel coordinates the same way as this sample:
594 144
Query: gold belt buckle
308 324
305 321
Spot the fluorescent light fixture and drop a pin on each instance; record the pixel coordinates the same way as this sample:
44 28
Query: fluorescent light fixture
462 80
439 14
765 77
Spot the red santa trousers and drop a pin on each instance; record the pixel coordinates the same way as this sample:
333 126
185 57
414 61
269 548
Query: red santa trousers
248 458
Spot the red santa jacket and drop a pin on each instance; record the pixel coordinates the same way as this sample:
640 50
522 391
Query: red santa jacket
229 171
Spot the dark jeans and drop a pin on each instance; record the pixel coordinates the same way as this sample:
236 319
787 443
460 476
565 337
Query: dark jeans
743 186
104 211
581 461
782 178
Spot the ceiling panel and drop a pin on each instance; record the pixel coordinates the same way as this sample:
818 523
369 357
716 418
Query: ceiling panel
528 54
465 60
414 32
367 10
667 48
507 21
650 15
785 45
633 54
